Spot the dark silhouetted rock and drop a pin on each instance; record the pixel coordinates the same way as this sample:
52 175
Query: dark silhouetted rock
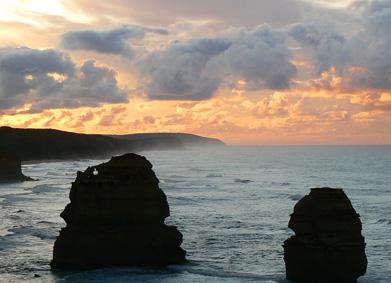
328 246
11 171
116 218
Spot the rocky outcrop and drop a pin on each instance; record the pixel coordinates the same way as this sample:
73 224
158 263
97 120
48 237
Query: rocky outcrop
11 171
328 246
116 218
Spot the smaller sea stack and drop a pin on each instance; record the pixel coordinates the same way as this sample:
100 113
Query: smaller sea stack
327 246
116 218
11 170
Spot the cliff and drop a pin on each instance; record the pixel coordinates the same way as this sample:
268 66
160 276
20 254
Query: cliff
188 140
42 144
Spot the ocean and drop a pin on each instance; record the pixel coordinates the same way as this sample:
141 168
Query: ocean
232 205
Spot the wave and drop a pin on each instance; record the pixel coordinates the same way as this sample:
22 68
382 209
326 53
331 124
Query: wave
243 181
198 170
383 221
39 232
167 180
39 189
217 272
295 197
214 176
5 232
183 200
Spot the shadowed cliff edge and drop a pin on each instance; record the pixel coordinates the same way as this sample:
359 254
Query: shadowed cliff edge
116 218
327 246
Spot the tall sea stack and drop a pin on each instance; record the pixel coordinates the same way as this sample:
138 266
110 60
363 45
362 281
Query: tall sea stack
116 218
11 170
328 246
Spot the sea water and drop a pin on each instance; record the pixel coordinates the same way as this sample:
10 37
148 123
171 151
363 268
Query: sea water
231 204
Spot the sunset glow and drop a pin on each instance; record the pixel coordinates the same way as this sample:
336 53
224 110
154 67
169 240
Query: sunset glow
90 67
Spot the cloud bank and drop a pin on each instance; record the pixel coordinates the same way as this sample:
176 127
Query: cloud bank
49 79
262 57
362 58
195 69
350 44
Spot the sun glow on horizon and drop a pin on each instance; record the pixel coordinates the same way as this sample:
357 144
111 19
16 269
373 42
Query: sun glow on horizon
28 12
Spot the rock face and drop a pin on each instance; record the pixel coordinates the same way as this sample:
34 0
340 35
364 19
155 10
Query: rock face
116 218
328 246
11 171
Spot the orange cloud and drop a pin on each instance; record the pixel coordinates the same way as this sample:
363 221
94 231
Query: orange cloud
278 117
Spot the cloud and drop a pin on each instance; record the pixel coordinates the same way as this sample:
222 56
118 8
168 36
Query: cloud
25 69
260 57
361 57
183 70
327 47
243 59
92 86
49 79
353 39
374 54
26 60
81 120
195 69
276 105
113 41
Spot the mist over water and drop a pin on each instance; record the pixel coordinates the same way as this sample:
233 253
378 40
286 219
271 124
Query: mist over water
231 204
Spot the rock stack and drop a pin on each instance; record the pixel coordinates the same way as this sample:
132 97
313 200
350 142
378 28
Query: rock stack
116 218
11 171
328 246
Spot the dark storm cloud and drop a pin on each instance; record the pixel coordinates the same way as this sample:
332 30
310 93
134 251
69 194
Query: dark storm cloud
49 79
195 69
113 41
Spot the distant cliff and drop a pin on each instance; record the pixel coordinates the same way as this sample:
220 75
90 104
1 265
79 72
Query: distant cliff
188 140
41 144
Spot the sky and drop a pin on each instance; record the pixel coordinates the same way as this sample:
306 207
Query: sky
251 72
